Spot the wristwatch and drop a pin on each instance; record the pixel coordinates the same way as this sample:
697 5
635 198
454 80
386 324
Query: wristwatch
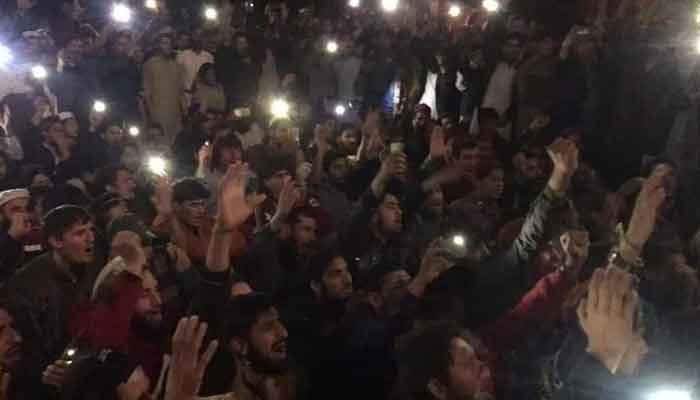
615 258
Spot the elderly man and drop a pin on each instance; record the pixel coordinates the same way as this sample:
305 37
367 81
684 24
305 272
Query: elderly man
16 225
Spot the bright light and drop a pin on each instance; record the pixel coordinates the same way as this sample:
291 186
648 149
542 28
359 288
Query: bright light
210 13
332 46
39 72
70 352
390 5
458 240
121 13
151 4
99 106
279 108
697 45
158 165
491 5
5 55
340 110
354 3
454 11
670 395
134 131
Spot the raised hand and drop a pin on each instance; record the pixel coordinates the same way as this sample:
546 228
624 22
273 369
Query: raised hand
235 206
646 209
564 156
177 254
55 374
438 144
187 367
608 316
321 134
432 266
204 155
163 197
134 388
289 196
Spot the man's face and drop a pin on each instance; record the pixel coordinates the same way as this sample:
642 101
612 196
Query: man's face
230 155
77 245
10 342
149 305
242 46
165 45
54 133
530 165
183 41
336 281
420 120
338 169
123 185
193 212
390 215
349 141
468 160
267 350
304 232
435 203
14 207
275 183
114 136
122 45
511 50
71 129
467 376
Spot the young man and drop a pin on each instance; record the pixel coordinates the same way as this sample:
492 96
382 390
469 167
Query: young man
116 180
438 362
16 225
45 290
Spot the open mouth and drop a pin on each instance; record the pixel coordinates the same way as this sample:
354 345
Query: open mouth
280 348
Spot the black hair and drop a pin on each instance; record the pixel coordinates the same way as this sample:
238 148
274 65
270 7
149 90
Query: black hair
188 189
60 219
424 354
204 70
65 194
320 262
243 312
224 142
651 164
107 175
47 122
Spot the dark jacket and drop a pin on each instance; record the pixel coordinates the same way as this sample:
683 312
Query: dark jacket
11 254
501 280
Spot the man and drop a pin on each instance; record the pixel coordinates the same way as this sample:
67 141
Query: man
45 290
119 76
163 88
241 87
182 213
55 147
439 362
16 226
499 91
192 59
117 180
279 253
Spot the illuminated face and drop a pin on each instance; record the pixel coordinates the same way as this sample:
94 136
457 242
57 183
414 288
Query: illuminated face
77 245
466 375
267 344
149 305
114 136
336 283
14 207
390 214
304 232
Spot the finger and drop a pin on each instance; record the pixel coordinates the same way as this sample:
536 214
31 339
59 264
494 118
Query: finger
606 291
199 338
179 332
629 310
594 289
581 313
191 329
208 355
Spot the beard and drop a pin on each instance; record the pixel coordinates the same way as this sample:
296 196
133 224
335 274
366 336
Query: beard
147 327
262 365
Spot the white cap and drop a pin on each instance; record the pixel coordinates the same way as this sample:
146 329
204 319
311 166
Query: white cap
66 115
13 194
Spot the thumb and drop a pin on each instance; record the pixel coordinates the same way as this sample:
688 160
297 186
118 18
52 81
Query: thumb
257 199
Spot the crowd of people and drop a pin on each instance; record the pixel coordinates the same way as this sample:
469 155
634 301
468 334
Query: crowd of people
415 199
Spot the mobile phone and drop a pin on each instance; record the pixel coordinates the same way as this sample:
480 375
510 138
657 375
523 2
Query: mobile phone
396 147
454 246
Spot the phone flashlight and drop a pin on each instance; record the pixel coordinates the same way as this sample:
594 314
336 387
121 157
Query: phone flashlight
670 395
157 165
134 131
340 110
458 240
491 5
99 106
5 55
390 5
39 72
151 4
210 13
279 108
354 3
121 13
454 11
396 147
332 47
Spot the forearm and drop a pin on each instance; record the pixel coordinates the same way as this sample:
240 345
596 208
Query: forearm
317 168
219 251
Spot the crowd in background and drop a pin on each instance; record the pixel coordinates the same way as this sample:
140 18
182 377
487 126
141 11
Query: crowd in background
415 199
